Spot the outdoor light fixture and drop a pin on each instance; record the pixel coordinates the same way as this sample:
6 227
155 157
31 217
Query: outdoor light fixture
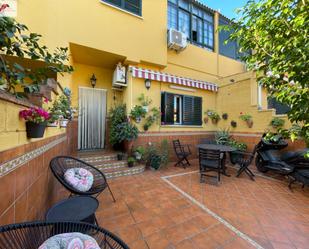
147 83
93 80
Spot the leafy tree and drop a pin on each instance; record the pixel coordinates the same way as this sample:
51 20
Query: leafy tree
16 40
277 35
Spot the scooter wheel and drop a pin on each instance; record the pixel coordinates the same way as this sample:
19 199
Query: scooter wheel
259 163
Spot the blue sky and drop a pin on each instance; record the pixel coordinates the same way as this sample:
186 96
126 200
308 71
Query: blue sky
226 7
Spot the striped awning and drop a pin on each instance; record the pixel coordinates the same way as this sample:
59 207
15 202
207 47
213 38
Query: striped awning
138 72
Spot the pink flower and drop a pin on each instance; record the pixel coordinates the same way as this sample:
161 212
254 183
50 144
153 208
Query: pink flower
46 100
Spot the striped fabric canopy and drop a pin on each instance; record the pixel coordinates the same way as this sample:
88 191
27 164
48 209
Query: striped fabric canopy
164 77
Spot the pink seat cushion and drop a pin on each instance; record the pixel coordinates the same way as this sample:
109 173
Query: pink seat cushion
70 241
79 178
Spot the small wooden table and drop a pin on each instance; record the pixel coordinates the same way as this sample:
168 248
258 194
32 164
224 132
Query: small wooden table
223 149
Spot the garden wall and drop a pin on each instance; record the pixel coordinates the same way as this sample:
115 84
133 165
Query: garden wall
28 187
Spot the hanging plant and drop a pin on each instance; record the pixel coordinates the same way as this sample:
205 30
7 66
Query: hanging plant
233 124
36 119
153 118
277 123
213 115
247 118
137 113
225 116
145 102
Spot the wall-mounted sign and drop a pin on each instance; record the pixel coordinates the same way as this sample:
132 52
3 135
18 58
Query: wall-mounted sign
8 8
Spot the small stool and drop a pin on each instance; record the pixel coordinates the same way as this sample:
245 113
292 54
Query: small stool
78 208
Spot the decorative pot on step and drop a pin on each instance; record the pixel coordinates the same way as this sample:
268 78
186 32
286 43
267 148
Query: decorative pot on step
35 130
130 164
120 156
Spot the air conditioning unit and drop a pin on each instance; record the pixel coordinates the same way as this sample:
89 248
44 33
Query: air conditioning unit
119 78
176 40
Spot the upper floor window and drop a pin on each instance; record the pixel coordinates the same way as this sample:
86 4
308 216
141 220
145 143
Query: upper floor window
196 23
133 6
231 49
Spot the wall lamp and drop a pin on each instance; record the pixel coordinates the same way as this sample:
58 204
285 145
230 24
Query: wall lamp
147 83
93 80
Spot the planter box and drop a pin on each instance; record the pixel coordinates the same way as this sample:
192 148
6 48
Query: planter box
35 130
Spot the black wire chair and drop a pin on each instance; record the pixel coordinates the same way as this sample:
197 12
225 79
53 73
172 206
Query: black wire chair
59 165
32 235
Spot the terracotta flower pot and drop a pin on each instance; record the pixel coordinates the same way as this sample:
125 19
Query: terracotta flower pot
249 123
128 146
214 121
206 120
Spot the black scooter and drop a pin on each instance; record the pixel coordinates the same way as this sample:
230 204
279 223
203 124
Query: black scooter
289 163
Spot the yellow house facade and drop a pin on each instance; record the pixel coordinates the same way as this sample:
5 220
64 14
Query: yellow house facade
102 33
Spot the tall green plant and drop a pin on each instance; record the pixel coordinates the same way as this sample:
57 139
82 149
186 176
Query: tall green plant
15 40
117 116
274 35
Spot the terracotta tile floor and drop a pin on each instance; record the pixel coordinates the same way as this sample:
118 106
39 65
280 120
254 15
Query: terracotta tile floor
155 213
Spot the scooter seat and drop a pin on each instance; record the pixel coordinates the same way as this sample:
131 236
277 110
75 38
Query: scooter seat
291 155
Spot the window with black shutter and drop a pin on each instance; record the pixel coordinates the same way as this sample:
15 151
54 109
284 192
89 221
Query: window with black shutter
181 109
133 6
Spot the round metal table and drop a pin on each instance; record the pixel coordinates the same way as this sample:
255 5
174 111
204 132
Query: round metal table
78 208
223 149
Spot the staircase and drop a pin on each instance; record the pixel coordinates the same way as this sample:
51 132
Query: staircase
110 166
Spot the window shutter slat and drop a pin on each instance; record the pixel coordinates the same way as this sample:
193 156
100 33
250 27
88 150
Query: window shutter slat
197 114
187 114
167 108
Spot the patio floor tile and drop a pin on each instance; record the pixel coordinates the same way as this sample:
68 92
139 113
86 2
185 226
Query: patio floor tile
178 212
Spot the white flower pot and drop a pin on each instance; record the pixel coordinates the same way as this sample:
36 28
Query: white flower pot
54 124
64 123
146 108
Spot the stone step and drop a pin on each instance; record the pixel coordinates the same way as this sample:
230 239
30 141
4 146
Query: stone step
111 167
125 172
93 159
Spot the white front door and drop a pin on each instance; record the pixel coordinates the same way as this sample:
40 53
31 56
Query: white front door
91 118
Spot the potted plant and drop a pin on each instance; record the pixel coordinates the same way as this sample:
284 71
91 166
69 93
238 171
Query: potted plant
233 123
247 118
120 156
67 111
55 113
137 113
117 116
213 115
36 119
153 118
145 102
277 123
131 161
222 137
127 133
240 147
206 119
139 153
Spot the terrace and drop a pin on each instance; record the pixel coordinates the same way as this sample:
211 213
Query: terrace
154 126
